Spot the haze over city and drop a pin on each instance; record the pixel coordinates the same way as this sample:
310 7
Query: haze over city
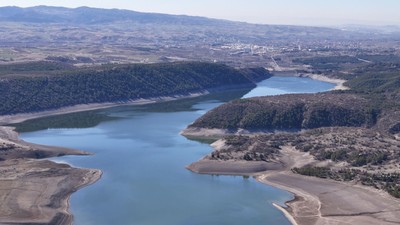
306 12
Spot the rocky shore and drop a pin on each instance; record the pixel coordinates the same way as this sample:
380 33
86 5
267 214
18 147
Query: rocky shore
271 154
317 201
34 190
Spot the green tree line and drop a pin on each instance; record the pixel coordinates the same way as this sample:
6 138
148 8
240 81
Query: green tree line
59 87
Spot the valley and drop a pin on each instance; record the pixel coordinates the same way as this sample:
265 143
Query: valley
337 151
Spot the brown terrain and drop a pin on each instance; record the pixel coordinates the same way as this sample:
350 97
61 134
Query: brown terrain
317 201
36 191
320 201
33 190
331 136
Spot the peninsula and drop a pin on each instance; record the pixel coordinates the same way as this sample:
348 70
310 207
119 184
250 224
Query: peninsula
47 186
346 142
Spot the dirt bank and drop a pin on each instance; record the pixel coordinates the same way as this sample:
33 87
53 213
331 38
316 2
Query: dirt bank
317 201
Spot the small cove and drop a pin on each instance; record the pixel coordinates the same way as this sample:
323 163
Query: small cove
143 158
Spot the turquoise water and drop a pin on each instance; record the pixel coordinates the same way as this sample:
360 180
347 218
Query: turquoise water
143 158
287 85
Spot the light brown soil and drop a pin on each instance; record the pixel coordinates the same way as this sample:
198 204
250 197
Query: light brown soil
35 191
38 191
323 202
317 201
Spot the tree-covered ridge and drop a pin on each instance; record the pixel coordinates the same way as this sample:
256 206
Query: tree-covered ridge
292 112
380 78
350 135
59 87
350 67
29 69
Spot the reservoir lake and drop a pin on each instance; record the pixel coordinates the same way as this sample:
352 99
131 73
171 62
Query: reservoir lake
143 159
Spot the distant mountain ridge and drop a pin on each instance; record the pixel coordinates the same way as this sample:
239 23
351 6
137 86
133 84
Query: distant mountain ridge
87 15
83 16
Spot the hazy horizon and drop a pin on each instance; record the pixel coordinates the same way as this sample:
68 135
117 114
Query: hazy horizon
288 12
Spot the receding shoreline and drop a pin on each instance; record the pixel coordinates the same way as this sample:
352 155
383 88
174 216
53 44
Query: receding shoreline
51 202
317 201
323 202
89 176
286 213
21 117
38 191
338 82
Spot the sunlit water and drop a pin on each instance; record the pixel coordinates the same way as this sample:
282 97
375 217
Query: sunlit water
143 158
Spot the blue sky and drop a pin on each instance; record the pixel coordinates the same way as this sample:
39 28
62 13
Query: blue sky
298 12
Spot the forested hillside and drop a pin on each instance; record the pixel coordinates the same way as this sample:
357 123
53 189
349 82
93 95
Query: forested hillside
376 78
351 135
373 100
53 87
294 112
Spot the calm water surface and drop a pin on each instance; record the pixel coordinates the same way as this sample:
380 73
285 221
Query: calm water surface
143 158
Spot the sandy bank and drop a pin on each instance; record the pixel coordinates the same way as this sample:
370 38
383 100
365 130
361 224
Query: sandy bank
292 72
38 191
286 213
15 148
323 202
205 133
338 82
206 166
317 201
